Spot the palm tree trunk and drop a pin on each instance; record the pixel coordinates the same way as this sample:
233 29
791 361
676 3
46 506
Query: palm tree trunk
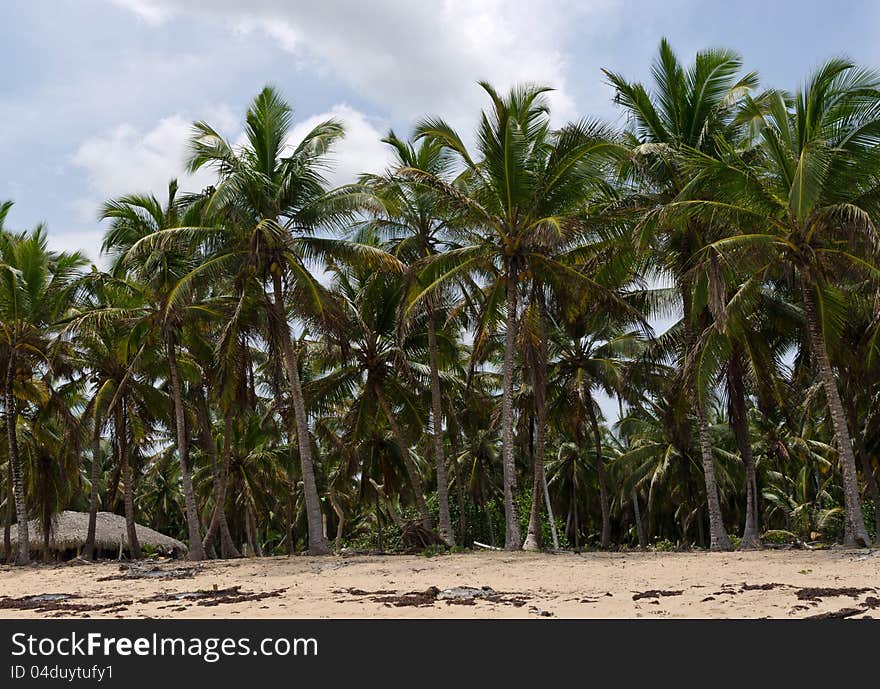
196 551
340 522
134 546
94 493
739 424
539 395
24 554
412 470
459 487
553 533
864 458
317 542
511 521
7 515
637 513
219 523
717 533
446 532
251 529
855 532
604 501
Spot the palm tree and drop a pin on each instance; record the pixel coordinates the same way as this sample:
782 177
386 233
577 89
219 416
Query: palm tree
690 108
373 366
806 198
168 304
36 288
520 200
413 219
271 197
111 338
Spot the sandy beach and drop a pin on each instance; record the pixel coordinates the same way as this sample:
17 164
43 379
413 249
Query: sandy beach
774 584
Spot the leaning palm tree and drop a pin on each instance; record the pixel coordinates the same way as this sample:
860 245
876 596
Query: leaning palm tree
690 108
807 198
521 200
36 288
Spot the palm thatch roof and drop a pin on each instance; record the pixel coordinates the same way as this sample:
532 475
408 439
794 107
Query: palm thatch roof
69 530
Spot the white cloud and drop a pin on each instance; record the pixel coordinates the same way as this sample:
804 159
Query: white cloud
409 57
126 159
360 151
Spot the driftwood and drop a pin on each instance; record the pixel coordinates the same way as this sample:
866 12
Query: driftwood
477 544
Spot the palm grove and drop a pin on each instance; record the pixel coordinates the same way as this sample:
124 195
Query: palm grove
270 365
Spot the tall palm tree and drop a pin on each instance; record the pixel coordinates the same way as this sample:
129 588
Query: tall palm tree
690 108
37 286
270 198
521 199
168 305
414 221
807 199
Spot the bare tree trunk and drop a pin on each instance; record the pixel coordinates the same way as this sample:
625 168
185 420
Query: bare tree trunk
739 423
717 533
94 493
855 532
512 539
24 547
134 546
412 470
317 542
196 551
604 501
539 395
446 532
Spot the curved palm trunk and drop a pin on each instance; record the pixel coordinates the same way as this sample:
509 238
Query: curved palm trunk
412 470
24 546
855 532
134 546
446 532
717 533
511 521
196 551
740 427
539 394
94 492
604 501
317 542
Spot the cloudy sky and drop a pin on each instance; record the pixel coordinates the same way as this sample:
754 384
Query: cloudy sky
97 96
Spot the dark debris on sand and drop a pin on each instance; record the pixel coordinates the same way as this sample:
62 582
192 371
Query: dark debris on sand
655 593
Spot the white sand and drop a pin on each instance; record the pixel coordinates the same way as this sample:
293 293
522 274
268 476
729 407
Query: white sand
565 585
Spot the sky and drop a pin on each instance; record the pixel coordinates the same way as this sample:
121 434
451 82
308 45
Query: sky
97 96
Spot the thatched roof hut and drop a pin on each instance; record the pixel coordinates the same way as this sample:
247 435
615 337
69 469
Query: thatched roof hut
69 530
